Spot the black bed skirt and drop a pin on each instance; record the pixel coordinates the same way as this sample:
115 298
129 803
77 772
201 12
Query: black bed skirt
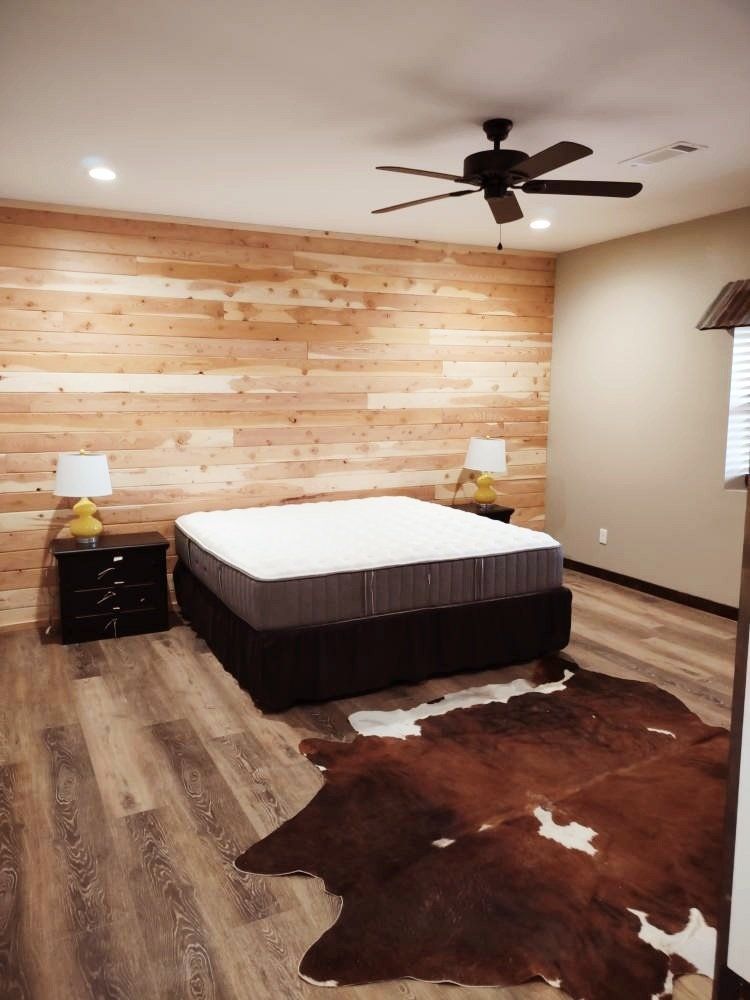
283 667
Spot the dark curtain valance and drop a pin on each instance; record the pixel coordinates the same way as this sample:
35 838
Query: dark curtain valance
730 308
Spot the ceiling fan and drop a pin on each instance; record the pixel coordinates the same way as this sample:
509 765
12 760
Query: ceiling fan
497 172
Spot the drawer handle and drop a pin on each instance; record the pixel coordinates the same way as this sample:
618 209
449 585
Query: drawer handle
104 572
117 558
107 596
112 623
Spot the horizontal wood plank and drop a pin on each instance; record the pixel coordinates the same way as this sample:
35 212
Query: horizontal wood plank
188 234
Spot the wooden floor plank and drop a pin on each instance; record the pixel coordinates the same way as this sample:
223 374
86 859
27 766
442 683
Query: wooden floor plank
218 821
128 669
118 747
53 962
211 698
36 692
84 662
268 793
80 840
106 948
181 948
14 963
133 771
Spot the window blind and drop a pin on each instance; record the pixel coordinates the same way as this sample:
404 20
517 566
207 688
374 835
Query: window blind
738 430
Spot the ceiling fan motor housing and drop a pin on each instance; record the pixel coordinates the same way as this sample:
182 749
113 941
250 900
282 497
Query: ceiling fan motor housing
491 165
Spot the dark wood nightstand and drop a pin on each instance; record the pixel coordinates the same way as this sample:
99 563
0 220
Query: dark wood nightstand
495 512
118 587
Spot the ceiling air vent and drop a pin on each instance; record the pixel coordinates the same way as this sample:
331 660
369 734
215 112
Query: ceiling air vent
663 153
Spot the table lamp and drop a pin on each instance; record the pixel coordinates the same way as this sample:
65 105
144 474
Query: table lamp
486 456
82 474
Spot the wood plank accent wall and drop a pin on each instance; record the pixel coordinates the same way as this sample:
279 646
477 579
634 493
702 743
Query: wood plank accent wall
224 367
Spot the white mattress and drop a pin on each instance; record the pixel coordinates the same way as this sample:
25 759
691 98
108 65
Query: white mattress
344 536
312 563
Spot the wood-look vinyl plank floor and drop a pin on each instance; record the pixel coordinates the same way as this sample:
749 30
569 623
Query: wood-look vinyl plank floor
133 771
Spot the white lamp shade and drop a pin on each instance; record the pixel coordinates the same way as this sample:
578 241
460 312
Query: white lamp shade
82 475
486 455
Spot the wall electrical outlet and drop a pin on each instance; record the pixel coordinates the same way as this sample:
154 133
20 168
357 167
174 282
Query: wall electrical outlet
602 536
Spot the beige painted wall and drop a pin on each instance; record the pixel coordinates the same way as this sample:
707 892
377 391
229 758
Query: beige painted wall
639 407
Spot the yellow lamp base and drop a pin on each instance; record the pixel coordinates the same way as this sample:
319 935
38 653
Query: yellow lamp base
84 527
485 495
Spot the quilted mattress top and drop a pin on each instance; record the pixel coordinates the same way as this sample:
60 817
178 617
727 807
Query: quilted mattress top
337 536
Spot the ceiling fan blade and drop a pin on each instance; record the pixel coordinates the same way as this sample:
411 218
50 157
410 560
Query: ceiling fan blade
601 189
551 158
505 208
421 201
426 173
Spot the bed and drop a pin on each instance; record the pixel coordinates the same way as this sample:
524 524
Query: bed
309 602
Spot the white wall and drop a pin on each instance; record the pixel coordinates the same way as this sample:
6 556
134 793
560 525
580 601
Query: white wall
639 407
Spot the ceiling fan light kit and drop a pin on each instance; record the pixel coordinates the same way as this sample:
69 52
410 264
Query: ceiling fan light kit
498 172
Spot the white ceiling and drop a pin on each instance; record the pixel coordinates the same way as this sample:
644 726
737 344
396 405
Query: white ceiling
277 112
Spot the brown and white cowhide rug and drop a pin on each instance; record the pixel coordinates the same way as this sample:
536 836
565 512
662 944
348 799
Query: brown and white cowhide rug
567 826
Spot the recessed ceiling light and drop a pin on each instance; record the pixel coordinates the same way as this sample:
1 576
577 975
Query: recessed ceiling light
102 173
540 224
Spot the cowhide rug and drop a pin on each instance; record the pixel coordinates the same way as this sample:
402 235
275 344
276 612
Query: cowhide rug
566 826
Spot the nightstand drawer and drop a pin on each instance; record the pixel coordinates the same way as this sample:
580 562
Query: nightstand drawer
84 628
125 597
113 567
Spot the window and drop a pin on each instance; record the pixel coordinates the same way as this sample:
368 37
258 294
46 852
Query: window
738 429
